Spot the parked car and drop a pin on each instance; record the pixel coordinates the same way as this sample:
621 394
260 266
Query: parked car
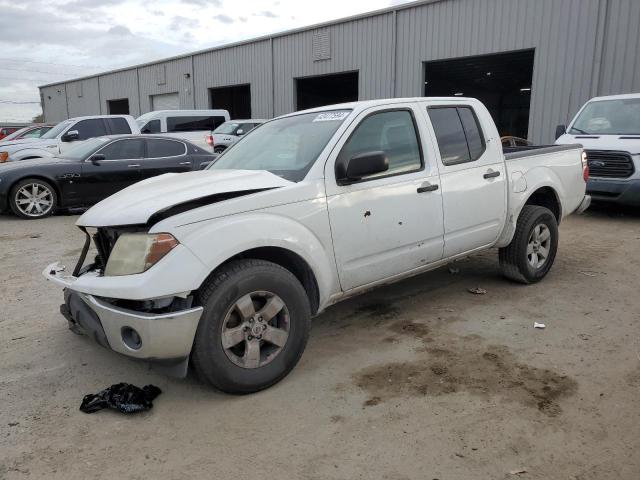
227 266
92 171
230 132
192 125
511 141
67 135
32 131
5 131
609 129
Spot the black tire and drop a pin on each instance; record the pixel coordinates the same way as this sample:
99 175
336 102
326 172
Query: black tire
219 295
219 149
51 197
514 258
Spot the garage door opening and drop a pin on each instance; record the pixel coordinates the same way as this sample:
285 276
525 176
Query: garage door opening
501 81
326 90
118 107
236 99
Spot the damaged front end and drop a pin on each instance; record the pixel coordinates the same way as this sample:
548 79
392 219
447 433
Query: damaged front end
156 329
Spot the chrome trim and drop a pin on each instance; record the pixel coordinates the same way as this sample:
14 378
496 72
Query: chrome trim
164 336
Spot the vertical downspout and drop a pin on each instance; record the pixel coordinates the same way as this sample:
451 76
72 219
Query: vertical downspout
394 53
99 98
139 94
193 84
66 99
273 84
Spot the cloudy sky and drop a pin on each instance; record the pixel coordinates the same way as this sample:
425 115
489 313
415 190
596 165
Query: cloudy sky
44 41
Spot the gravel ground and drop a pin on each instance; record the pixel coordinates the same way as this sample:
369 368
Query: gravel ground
418 380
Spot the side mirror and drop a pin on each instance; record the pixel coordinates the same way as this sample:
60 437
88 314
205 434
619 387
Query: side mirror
361 165
560 130
239 132
70 136
97 158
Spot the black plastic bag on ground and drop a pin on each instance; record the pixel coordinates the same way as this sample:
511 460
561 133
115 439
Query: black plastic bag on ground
124 397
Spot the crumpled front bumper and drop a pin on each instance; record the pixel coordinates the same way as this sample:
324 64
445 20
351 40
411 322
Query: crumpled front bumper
142 335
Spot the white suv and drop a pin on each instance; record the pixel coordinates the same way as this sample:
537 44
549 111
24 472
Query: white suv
191 125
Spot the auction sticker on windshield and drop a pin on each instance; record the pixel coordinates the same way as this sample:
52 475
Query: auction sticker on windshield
331 116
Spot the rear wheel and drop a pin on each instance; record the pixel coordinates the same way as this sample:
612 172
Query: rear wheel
33 198
218 149
254 327
531 253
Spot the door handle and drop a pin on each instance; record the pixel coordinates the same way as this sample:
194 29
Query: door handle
427 188
134 165
184 163
491 174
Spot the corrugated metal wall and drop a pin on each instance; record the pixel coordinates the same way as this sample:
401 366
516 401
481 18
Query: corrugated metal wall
364 45
244 64
167 77
83 97
114 86
583 48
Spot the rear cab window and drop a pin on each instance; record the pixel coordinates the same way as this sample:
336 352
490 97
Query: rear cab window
118 126
458 133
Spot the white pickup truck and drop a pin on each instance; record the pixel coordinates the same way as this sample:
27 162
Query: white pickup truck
67 135
225 267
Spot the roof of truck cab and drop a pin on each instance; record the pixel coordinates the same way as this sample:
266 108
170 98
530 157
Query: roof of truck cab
615 97
363 104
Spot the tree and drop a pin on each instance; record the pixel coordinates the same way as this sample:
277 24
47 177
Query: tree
38 118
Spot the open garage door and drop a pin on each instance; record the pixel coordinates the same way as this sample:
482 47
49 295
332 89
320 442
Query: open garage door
326 90
501 81
236 99
118 107
165 101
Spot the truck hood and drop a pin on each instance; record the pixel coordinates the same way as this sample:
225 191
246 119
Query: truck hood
625 143
136 204
15 145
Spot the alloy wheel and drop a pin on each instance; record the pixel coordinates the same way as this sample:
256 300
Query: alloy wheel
255 329
34 200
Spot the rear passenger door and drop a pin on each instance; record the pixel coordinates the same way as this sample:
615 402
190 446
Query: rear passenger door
472 175
164 156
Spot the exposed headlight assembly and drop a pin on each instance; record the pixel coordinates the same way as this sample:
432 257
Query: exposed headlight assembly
138 252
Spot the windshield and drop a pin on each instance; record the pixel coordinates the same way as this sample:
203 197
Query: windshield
86 148
287 146
609 117
227 128
55 131
142 119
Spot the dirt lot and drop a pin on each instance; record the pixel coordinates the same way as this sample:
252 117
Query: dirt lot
419 380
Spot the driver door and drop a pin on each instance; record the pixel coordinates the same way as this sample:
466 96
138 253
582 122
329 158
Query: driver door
388 223
119 169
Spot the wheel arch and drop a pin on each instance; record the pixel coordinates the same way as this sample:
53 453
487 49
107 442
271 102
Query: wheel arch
288 260
546 196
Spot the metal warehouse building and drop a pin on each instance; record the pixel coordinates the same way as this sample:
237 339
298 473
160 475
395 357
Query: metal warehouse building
533 63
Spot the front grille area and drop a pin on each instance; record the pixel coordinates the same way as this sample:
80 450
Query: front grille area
609 164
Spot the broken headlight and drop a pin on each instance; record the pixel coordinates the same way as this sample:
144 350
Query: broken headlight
138 252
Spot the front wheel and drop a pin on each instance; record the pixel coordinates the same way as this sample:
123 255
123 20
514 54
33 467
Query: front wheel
530 255
33 198
254 327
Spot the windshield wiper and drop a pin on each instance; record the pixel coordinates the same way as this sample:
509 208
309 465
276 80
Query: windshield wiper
580 131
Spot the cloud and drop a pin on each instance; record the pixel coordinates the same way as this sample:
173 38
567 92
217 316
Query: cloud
223 18
204 3
267 13
119 30
180 23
